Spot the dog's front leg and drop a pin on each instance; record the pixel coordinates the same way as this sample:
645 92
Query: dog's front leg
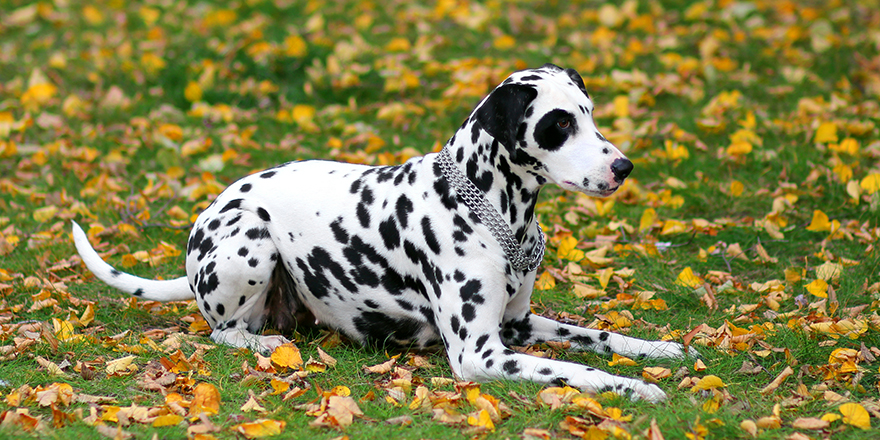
483 357
469 321
532 329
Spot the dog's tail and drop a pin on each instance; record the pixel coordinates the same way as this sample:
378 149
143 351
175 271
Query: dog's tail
156 290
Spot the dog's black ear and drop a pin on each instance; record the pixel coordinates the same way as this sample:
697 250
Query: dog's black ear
503 110
576 77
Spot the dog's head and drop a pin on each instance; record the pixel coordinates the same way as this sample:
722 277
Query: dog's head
544 118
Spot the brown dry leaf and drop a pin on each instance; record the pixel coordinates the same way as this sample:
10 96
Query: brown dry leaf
654 431
536 434
115 433
56 393
655 374
252 405
326 358
122 366
383 368
772 386
809 423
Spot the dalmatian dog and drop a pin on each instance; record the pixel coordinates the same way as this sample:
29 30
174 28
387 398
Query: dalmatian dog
414 255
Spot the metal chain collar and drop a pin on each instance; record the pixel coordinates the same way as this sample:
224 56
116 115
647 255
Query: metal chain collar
489 216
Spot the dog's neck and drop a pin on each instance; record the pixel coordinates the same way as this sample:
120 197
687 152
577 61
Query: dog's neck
510 186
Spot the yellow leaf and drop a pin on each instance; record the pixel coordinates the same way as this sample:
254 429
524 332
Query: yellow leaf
827 132
45 213
193 92
206 399
820 222
855 415
545 281
568 251
584 291
279 386
287 356
831 417
871 183
688 279
739 148
709 382
736 188
295 46
304 116
849 146
605 276
398 44
844 172
482 420
260 428
93 15
818 288
621 106
672 227
63 330
167 420
793 275
647 219
617 359
504 42
712 405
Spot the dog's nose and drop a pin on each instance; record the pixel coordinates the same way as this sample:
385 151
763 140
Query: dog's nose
621 168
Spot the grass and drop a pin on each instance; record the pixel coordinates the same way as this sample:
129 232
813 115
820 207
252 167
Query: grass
212 91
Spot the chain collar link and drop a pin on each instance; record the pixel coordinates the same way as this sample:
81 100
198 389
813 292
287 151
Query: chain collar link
489 216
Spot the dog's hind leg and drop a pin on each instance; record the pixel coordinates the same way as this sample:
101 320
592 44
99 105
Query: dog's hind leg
233 280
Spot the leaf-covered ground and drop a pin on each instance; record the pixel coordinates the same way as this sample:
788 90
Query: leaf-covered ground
749 228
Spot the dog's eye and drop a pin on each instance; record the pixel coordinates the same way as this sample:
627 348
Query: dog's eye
564 123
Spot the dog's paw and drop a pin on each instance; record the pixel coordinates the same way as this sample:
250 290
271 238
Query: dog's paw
268 344
647 392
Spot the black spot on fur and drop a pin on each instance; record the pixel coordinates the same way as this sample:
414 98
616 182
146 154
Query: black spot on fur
233 204
138 292
246 187
582 340
363 215
214 224
510 367
549 135
430 237
264 215
390 234
267 174
257 233
339 233
403 207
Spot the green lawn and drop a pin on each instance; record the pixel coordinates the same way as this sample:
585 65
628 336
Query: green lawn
749 228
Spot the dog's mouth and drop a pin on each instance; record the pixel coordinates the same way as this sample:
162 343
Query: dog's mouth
597 192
